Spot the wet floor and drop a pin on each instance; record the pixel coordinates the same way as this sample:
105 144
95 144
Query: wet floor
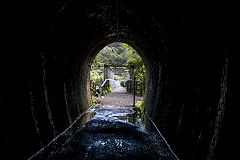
112 130
107 133
123 114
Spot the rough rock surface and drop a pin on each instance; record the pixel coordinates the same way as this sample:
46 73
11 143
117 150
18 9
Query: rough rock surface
106 140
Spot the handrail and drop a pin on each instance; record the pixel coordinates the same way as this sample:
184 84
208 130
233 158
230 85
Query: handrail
106 81
133 80
135 86
161 135
55 138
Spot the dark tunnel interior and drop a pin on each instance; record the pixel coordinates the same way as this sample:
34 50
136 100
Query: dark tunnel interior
186 48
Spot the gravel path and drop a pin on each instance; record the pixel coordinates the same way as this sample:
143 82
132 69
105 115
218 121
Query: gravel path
118 97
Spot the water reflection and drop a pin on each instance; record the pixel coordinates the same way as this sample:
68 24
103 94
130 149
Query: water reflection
111 113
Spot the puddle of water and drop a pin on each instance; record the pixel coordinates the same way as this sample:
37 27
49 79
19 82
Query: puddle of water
124 114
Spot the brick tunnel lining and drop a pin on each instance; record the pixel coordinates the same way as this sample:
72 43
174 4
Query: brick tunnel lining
182 93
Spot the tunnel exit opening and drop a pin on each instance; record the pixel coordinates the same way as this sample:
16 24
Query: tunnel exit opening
114 105
118 68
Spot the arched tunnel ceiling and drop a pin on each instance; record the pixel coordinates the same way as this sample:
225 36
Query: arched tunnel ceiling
183 43
95 25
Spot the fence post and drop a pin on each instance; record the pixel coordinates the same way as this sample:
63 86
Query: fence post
130 86
134 91
141 88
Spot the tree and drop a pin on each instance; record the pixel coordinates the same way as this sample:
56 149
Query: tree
114 54
134 59
117 54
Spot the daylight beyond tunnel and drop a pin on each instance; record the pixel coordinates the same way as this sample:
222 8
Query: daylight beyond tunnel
45 82
118 61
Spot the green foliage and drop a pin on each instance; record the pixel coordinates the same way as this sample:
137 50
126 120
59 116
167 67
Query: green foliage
123 76
117 54
106 91
97 76
122 83
135 60
113 54
94 101
139 104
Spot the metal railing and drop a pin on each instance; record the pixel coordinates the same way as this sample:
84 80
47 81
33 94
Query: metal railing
105 86
72 127
160 134
135 86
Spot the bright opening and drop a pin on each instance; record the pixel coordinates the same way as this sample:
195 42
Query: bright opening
120 62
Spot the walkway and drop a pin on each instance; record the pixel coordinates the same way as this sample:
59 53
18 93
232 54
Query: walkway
107 136
118 97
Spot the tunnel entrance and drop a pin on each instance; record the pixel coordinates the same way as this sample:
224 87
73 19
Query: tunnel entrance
114 127
189 88
106 124
117 81
118 63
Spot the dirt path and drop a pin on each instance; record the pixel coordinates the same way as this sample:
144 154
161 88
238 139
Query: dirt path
118 97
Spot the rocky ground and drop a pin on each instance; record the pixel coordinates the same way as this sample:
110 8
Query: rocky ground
106 140
107 137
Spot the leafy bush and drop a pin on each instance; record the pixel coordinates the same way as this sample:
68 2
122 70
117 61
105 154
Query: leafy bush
134 59
117 54
139 104
122 83
97 76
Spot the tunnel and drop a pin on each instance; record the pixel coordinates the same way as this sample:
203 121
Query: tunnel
185 45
